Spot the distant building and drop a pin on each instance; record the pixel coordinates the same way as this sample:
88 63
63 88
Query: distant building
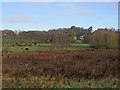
78 38
82 37
74 38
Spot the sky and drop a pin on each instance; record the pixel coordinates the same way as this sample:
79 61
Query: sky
53 15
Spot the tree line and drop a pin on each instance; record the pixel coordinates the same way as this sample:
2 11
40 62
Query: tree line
45 36
101 38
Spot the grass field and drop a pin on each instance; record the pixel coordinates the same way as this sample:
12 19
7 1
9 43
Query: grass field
44 66
29 47
32 48
84 68
42 46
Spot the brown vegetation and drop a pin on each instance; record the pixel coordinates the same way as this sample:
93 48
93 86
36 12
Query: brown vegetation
104 39
88 63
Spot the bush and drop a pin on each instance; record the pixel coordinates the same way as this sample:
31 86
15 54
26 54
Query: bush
5 49
104 39
61 40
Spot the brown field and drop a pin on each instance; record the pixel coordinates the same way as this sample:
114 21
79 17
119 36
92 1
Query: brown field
86 63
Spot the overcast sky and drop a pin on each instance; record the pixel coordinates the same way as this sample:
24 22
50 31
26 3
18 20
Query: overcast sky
45 16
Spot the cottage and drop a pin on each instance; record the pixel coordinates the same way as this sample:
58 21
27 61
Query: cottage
74 38
82 37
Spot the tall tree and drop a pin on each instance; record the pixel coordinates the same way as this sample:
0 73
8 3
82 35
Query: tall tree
90 29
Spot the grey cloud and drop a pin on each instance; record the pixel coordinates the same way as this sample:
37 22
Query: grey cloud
19 19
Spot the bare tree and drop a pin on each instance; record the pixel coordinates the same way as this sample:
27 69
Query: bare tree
61 40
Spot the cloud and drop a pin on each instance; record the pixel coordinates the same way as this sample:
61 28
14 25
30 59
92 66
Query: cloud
15 12
86 10
67 5
36 4
76 19
19 19
74 11
43 20
100 17
71 13
7 6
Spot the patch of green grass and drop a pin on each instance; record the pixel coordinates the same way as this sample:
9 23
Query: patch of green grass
45 44
13 48
71 48
41 47
81 45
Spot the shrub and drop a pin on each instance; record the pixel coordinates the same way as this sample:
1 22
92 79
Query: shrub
104 39
5 49
61 40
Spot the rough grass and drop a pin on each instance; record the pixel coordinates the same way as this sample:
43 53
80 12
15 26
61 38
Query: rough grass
58 82
90 64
